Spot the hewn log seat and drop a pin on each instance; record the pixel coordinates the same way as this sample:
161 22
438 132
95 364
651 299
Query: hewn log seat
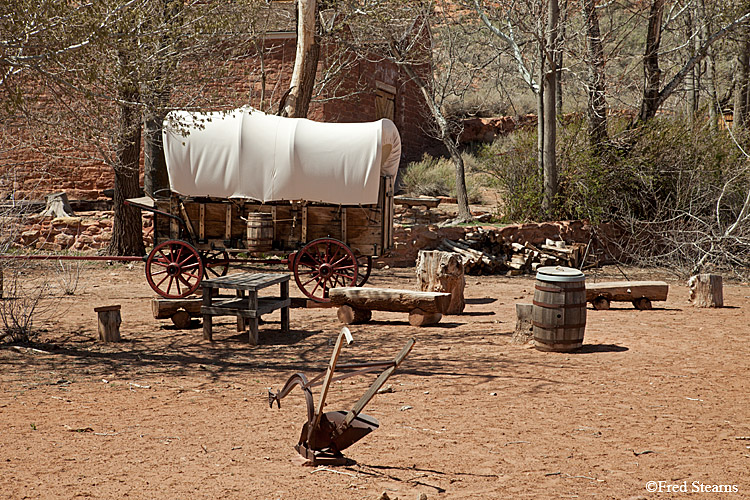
357 303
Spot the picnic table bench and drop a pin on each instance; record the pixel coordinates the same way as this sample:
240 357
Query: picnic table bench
640 293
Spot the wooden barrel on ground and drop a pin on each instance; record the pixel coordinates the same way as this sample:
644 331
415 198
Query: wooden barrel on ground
259 231
559 314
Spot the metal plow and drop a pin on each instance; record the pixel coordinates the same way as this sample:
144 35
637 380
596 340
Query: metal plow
325 435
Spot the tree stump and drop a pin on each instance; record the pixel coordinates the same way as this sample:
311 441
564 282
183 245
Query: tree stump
109 323
439 271
58 206
524 331
706 290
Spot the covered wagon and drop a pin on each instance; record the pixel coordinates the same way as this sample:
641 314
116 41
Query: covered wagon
244 183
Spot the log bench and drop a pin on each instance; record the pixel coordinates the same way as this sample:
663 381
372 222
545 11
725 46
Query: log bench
410 202
180 311
355 304
639 293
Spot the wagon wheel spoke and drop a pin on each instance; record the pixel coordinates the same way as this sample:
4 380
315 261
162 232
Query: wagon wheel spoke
184 281
192 275
317 281
364 268
216 262
314 278
333 255
342 259
163 280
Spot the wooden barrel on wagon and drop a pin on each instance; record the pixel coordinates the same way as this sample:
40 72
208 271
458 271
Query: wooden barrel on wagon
559 312
259 232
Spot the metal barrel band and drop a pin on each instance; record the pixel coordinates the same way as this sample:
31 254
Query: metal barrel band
556 341
559 289
559 306
557 327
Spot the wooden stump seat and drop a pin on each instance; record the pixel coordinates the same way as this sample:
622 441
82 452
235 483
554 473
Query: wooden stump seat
706 290
109 323
357 303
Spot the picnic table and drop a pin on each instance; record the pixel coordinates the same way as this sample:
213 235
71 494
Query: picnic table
246 305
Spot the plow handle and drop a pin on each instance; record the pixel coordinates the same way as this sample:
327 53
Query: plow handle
377 384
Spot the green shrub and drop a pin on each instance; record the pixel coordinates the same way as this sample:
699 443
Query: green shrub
436 176
511 163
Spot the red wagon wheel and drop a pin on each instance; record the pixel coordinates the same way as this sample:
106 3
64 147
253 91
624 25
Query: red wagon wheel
174 269
215 263
364 268
322 264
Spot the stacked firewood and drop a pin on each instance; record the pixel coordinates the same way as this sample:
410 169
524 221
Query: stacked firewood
485 252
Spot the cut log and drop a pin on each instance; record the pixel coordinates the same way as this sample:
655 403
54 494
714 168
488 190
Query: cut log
181 319
600 303
109 323
706 290
166 308
642 304
58 206
442 272
418 317
524 331
353 316
627 291
385 299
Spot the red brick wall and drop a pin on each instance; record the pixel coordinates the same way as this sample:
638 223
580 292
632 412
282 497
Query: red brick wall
26 173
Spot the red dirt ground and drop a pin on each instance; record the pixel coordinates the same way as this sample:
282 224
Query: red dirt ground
658 395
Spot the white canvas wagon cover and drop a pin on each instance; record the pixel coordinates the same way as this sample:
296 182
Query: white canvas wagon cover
245 153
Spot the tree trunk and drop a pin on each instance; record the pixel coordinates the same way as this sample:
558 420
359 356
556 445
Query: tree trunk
559 59
742 77
653 98
127 229
462 197
305 61
597 104
550 122
155 177
713 104
693 77
540 117
652 73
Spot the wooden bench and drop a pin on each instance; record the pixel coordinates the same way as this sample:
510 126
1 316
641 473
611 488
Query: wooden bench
180 311
639 293
355 304
411 202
